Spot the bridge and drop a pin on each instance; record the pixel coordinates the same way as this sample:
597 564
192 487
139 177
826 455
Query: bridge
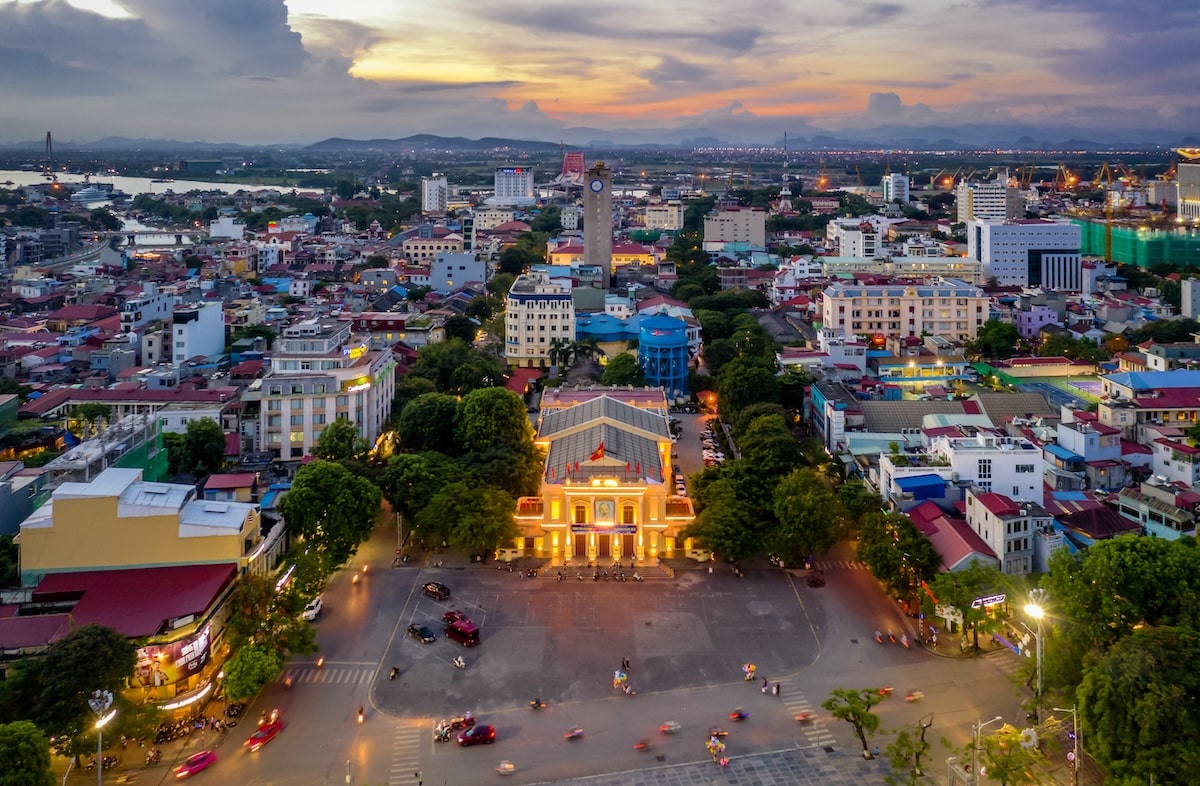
131 235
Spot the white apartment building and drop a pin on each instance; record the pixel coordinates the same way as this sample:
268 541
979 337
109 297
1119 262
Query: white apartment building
451 270
991 200
895 186
538 311
152 305
736 225
1033 252
1009 528
514 186
197 331
1011 466
424 249
1190 298
226 228
320 373
854 237
949 308
665 215
435 194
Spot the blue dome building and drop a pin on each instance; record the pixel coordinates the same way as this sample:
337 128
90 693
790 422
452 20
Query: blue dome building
663 354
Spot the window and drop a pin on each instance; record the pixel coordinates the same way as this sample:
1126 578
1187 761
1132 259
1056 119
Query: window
627 514
319 388
274 420
296 436
297 404
985 470
319 419
274 406
318 403
579 514
297 389
297 420
342 401
1024 468
276 390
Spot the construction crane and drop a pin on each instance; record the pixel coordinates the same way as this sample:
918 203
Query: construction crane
1026 177
1105 176
1063 179
933 181
746 182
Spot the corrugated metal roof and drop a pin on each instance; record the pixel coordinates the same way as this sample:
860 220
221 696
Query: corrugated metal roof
604 408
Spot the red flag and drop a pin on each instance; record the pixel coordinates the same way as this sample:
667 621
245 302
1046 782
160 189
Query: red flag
553 474
627 467
599 453
576 466
639 468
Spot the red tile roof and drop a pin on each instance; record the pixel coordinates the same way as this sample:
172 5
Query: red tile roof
999 504
138 602
229 481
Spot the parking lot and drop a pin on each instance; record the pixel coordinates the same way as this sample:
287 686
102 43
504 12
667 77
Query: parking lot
562 641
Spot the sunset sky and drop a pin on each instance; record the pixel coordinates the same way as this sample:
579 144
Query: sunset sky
257 71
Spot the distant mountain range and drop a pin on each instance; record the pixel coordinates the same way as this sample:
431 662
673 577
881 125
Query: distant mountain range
730 131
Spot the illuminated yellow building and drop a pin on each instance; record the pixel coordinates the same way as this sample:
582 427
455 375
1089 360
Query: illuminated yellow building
119 521
623 254
607 487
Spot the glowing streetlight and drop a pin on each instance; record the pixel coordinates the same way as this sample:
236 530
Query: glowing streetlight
1035 608
100 702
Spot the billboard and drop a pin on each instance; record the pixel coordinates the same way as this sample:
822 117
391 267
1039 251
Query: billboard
160 665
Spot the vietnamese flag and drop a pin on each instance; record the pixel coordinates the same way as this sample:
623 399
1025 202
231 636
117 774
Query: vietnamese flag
599 453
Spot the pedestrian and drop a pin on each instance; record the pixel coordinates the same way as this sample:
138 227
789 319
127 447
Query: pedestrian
876 751
777 689
710 570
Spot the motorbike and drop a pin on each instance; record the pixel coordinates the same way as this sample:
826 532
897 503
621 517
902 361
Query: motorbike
804 717
287 681
559 576
355 579
914 695
441 733
886 690
394 673
154 756
459 663
717 731
638 577
643 745
461 722
320 661
670 727
904 641
878 637
891 637
739 715
506 768
574 733
537 704
361 715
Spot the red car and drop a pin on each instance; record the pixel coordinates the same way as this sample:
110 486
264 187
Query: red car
455 616
264 734
477 735
195 763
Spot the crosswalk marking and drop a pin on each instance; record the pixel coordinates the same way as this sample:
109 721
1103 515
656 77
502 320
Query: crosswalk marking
328 674
406 755
838 564
816 730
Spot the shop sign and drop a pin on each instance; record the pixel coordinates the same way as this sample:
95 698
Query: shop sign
167 664
620 529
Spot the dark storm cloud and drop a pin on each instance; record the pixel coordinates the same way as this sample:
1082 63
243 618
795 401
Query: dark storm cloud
34 74
672 71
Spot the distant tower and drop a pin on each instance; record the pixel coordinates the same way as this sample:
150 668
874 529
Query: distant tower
785 152
598 216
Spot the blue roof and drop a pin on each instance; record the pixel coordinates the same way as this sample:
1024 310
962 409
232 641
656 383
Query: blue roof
1058 451
923 486
1152 380
1069 496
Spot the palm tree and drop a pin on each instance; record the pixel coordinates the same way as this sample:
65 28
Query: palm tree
561 352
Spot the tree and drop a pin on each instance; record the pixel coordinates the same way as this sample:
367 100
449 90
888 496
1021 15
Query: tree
995 340
623 370
12 387
24 755
253 331
769 447
428 422
725 524
516 469
739 424
1137 701
88 659
411 480
9 562
92 411
469 518
905 753
203 447
810 518
493 416
743 382
408 389
960 590
260 615
340 441
331 507
250 668
1006 757
854 707
460 327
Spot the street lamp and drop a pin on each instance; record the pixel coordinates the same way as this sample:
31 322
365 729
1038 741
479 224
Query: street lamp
978 727
100 702
1076 733
1036 608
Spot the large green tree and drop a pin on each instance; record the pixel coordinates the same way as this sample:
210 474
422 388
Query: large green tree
203 448
250 668
24 755
469 518
745 381
623 370
331 507
854 707
725 524
258 614
428 422
769 447
340 441
514 468
962 588
493 416
1138 701
811 519
412 479
9 563
995 340
88 659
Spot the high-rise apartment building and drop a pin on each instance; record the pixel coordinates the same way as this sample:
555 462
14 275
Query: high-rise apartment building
1188 178
514 186
736 226
320 373
665 215
537 312
950 308
1032 252
197 331
895 186
598 216
990 200
435 194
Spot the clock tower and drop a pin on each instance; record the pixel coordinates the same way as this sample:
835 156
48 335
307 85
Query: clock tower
598 216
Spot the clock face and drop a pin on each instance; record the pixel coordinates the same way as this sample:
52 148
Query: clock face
597 185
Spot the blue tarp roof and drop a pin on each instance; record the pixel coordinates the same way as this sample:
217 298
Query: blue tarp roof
923 486
1058 451
1069 496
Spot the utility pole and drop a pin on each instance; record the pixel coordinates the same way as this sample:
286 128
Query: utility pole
1076 737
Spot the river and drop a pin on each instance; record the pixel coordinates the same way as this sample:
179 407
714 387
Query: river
130 185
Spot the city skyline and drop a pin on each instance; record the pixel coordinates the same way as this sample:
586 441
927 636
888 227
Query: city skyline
263 71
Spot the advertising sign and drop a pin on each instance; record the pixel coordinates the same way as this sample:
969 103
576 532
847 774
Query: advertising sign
160 665
620 529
